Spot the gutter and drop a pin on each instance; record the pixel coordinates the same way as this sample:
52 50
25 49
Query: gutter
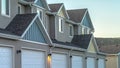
24 2
101 53
14 37
68 47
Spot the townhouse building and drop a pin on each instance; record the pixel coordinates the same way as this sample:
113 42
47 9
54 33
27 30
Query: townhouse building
34 34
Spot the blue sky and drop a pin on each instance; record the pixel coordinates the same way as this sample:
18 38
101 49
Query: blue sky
105 14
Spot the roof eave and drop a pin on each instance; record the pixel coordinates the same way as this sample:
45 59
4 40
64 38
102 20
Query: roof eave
70 47
101 53
25 2
8 36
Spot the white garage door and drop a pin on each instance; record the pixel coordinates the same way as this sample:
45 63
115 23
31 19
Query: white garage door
101 63
6 57
59 61
33 59
77 62
90 62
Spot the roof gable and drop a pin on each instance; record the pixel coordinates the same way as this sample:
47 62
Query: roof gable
20 23
59 9
92 48
34 33
55 7
41 3
76 15
87 21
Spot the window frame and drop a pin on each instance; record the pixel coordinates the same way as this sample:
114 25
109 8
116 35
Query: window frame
71 30
20 8
83 31
61 26
2 11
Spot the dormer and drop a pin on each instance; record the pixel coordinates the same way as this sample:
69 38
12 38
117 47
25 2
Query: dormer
81 17
63 29
59 9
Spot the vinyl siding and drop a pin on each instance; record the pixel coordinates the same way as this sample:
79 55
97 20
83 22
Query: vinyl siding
39 3
34 34
4 21
86 22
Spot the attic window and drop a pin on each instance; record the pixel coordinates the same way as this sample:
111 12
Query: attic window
5 7
60 25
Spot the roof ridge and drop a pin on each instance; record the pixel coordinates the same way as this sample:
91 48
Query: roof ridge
77 9
55 3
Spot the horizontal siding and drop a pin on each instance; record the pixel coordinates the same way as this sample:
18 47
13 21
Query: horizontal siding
34 34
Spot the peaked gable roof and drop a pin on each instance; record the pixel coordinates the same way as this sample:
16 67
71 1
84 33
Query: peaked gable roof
76 15
55 7
35 2
19 23
82 40
19 26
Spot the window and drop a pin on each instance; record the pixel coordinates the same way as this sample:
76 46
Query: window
60 25
82 30
5 7
19 9
40 14
71 30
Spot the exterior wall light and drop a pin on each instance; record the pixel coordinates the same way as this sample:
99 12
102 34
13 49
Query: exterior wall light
18 51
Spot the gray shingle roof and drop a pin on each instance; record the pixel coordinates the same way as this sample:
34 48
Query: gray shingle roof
19 23
76 15
55 7
82 40
110 49
5 31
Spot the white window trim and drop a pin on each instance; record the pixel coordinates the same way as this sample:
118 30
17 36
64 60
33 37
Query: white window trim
61 30
72 30
83 32
9 10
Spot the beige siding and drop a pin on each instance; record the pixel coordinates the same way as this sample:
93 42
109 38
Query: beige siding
112 61
91 48
61 14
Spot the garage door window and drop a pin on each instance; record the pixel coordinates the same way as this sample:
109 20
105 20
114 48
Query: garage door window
90 63
6 57
59 61
33 59
77 62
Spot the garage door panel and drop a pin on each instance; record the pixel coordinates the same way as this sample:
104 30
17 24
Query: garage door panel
33 59
59 61
6 57
101 63
90 62
77 62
